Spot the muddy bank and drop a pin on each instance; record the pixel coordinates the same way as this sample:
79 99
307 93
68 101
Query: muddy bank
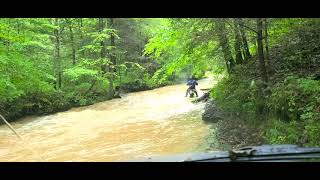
230 132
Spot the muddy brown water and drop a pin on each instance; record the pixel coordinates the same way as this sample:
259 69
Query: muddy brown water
142 124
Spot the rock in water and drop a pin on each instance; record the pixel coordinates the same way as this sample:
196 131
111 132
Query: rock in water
211 112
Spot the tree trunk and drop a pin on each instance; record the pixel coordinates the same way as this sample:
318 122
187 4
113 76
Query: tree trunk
112 58
101 25
105 67
223 41
237 44
246 53
119 69
72 45
92 85
57 60
81 35
260 51
112 44
266 39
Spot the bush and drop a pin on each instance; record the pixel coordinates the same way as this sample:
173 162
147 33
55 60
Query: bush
279 132
296 98
240 96
312 133
292 107
291 103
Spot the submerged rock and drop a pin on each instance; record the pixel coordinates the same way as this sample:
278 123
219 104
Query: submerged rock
211 112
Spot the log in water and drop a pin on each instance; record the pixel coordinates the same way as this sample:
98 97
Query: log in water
142 124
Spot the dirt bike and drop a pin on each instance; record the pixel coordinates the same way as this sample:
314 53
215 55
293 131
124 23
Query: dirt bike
192 93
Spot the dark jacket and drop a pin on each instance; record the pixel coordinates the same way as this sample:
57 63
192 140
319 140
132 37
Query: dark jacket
192 83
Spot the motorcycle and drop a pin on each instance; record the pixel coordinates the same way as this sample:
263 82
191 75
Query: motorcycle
192 93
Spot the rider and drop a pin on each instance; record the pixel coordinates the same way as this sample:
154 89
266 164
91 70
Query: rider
192 83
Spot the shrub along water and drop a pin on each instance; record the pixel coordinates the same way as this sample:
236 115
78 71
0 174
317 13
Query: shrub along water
288 110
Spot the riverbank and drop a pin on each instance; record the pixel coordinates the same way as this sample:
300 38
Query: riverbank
234 133
54 103
286 107
47 104
230 132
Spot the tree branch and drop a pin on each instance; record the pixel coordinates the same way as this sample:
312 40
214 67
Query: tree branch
240 24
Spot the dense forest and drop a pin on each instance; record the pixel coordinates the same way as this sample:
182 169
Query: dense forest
267 68
53 64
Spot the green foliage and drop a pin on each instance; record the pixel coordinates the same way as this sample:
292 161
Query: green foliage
33 51
296 97
181 50
292 107
37 55
279 132
312 133
239 94
288 110
76 73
